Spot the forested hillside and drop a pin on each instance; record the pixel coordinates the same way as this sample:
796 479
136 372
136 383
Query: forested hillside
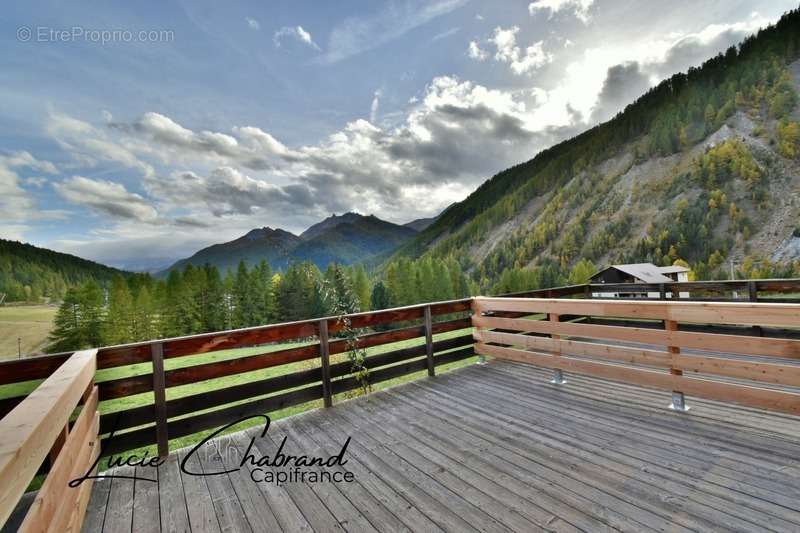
28 273
702 168
200 299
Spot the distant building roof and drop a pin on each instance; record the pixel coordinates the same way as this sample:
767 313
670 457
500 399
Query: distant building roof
674 269
647 272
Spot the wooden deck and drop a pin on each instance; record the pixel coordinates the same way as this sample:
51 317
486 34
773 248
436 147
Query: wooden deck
491 448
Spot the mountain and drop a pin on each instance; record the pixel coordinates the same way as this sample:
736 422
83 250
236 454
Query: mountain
345 239
351 241
271 245
703 167
329 223
420 224
28 272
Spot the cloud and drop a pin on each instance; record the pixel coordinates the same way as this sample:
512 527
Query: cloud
373 108
88 145
445 34
25 159
629 73
474 51
17 206
356 35
249 146
580 8
297 33
451 138
623 84
107 198
507 51
252 23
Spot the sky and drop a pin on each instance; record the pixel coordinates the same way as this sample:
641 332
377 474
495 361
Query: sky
135 133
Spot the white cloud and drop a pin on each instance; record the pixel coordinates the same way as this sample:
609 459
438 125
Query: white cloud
507 51
356 35
580 8
36 181
297 33
445 34
88 145
107 198
252 23
474 51
373 108
17 206
25 159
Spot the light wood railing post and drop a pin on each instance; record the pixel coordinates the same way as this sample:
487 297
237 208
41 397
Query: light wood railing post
476 312
752 295
678 401
558 375
429 341
160 398
325 363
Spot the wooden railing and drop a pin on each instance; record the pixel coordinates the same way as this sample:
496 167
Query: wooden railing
639 342
563 335
751 290
40 426
162 418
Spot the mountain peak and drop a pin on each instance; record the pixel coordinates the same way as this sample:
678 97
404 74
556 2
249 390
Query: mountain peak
331 222
264 233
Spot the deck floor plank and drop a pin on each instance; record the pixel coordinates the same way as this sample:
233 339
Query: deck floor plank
699 497
489 494
119 515
226 504
98 503
253 503
363 500
313 509
347 514
678 451
390 497
199 505
146 501
286 512
488 448
172 500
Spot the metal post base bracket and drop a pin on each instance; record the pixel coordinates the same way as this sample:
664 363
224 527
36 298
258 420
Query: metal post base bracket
558 377
678 402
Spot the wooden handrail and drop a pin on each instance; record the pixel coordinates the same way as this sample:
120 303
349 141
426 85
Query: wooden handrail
578 345
30 430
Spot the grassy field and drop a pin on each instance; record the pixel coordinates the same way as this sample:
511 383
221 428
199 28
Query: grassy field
228 381
29 323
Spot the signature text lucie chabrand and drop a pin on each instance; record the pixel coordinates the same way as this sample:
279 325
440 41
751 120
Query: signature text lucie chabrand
278 468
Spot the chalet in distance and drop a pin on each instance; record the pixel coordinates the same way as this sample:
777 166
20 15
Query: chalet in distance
639 273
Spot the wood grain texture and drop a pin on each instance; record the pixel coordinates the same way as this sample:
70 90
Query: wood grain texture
30 429
497 448
786 402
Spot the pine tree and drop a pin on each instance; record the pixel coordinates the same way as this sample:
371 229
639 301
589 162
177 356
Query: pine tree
361 287
67 333
92 301
380 297
119 324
